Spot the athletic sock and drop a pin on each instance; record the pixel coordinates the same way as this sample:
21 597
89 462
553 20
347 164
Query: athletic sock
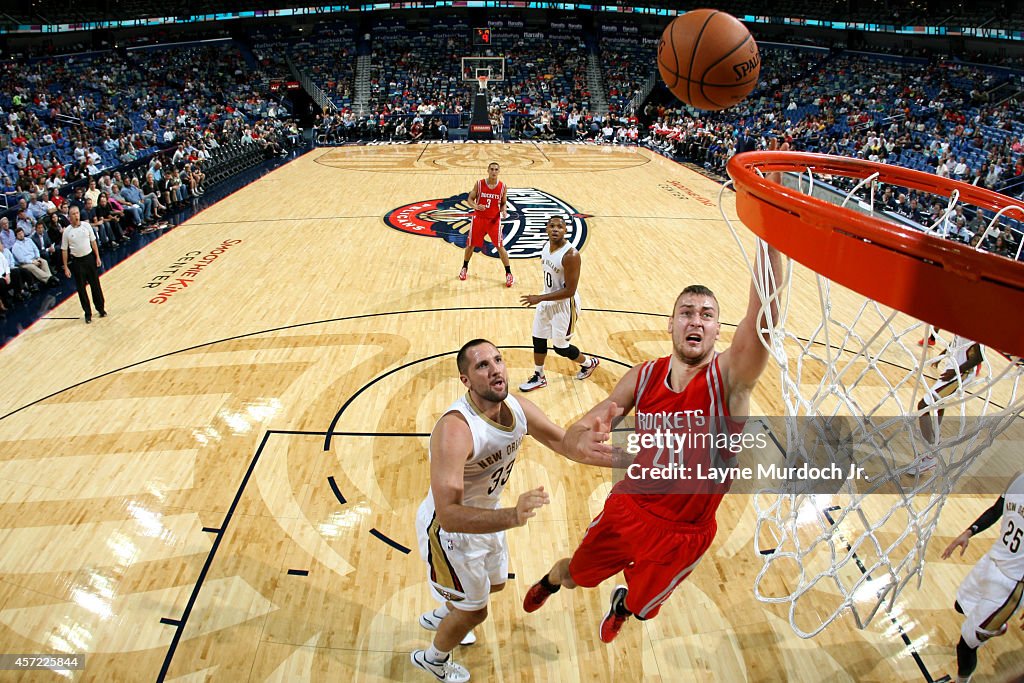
442 611
548 586
620 609
435 656
539 369
508 270
465 264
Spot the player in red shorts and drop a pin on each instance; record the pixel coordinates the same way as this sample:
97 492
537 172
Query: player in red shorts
487 198
656 530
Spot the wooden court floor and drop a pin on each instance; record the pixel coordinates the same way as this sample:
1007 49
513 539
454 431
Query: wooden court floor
218 482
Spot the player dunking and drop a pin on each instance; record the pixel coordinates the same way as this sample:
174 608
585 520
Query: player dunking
652 533
488 199
557 307
460 528
994 588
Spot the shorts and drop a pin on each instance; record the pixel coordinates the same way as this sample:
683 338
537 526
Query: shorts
988 598
555 320
655 554
941 390
461 568
483 227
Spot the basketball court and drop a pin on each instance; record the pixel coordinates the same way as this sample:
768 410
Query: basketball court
219 480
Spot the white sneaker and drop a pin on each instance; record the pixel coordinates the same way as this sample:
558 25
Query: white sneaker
588 370
922 465
536 381
447 671
430 621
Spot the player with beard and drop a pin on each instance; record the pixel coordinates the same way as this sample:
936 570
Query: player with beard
653 529
460 526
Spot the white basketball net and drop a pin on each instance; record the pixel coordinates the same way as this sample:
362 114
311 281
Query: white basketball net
856 549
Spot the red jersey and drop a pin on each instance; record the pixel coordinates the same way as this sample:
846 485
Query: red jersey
683 433
488 200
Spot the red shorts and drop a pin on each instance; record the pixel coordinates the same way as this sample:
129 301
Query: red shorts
655 554
485 228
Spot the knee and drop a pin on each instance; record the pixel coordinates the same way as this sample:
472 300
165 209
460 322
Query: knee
570 352
477 617
540 346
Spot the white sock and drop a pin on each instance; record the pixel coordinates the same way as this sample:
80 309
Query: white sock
539 369
436 656
587 363
963 679
442 611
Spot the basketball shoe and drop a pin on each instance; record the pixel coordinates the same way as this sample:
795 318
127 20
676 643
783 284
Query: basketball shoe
588 370
430 621
464 273
536 381
536 597
447 671
509 280
613 621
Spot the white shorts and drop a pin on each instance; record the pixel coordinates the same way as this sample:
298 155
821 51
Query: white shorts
555 320
461 568
940 390
988 598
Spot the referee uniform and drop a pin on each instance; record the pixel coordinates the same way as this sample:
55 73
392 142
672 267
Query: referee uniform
82 258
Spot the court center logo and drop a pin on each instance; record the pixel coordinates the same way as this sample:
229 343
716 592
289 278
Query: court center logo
523 231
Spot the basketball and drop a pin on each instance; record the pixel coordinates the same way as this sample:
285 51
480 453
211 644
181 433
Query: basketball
708 59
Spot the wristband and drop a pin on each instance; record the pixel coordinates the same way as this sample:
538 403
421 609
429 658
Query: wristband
973 529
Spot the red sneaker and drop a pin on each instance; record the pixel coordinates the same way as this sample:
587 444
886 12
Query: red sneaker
930 341
509 280
463 274
612 622
535 597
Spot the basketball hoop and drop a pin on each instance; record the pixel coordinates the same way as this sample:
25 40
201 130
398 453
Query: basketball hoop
856 549
482 80
949 285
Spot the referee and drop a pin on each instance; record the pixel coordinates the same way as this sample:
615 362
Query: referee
80 240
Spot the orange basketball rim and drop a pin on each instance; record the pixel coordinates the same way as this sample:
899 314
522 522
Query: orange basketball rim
950 285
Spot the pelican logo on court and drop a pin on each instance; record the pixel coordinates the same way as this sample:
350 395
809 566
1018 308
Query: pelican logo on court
524 232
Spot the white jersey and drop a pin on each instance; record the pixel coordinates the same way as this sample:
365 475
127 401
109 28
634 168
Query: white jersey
1008 550
554 273
494 453
956 355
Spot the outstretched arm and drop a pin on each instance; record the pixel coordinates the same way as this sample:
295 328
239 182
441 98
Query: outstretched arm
589 436
451 445
987 519
540 427
748 356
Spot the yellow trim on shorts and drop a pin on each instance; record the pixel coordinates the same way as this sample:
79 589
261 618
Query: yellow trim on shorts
441 571
1006 610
